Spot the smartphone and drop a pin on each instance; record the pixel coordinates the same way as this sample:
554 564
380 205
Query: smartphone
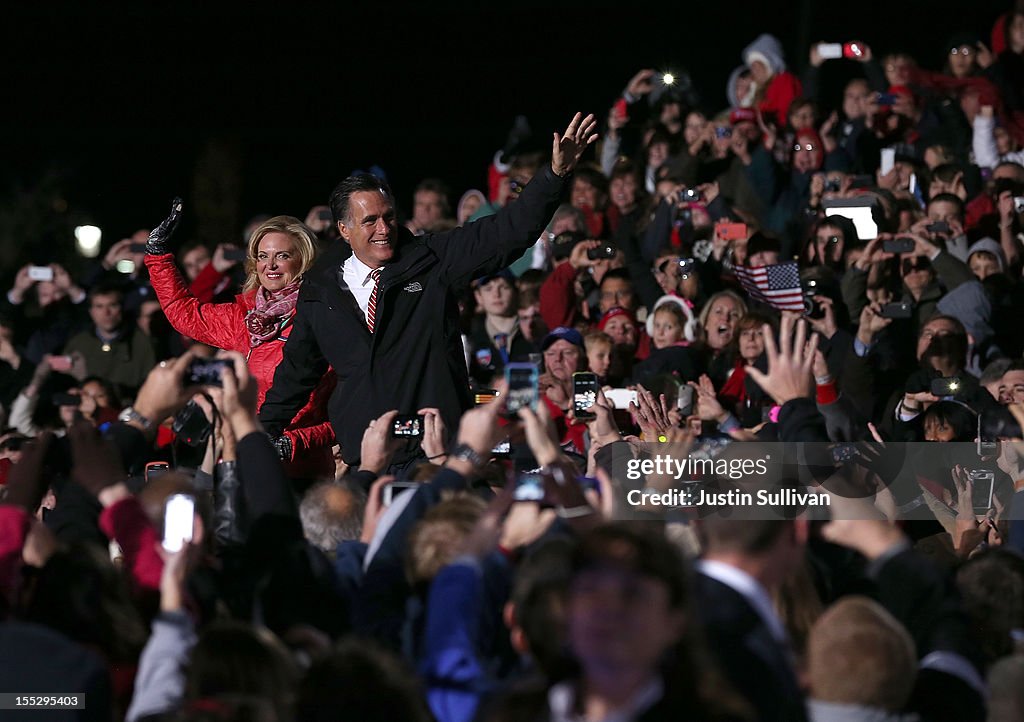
983 483
191 426
685 401
938 227
731 231
235 254
137 248
155 469
885 98
901 309
621 398
988 447
325 216
852 51
947 386
722 132
529 487
407 426
686 267
691 195
393 489
206 372
898 245
708 428
862 181
179 518
502 448
61 364
830 51
888 161
604 251
1018 204
522 386
66 400
40 273
584 394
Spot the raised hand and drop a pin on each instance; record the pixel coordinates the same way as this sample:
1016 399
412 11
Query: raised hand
789 363
159 237
26 485
567 149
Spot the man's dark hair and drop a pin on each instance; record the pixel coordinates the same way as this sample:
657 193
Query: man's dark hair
342 193
360 681
436 185
747 536
592 175
620 273
949 198
106 289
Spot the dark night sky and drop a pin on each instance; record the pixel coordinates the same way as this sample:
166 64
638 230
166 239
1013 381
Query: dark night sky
120 101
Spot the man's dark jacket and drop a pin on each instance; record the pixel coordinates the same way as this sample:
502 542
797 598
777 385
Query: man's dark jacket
415 359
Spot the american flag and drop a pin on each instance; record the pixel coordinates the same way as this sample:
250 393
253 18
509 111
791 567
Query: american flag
778 285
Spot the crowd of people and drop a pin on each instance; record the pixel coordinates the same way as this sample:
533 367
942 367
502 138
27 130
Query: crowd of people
377 526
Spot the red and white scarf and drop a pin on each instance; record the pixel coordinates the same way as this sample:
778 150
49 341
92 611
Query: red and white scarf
272 311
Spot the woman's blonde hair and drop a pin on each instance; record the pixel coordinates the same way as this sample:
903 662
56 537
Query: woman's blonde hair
303 238
741 308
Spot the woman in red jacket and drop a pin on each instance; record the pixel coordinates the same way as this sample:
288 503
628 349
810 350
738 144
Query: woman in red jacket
256 324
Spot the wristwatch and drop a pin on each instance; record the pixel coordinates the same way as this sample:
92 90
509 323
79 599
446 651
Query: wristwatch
466 453
130 414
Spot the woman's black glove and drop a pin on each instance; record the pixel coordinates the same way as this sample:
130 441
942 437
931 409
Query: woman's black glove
159 237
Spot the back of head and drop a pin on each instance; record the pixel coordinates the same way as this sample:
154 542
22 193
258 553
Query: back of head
332 512
232 658
992 588
538 600
858 654
361 683
1006 689
436 539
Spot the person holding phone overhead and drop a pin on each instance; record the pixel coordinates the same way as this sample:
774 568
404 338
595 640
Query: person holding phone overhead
256 324
381 307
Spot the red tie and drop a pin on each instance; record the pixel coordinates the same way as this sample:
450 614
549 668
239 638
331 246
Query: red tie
371 308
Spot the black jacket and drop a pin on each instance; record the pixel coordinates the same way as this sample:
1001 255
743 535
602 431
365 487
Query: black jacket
415 359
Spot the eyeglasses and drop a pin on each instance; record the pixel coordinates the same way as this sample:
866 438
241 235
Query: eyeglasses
808 147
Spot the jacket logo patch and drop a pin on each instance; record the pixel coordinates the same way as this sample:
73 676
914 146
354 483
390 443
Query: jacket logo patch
413 287
483 357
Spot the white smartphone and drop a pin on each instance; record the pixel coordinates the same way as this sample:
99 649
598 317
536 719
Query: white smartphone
888 161
40 273
620 398
830 51
179 518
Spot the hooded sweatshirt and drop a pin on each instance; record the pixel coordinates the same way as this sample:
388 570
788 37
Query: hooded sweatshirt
988 245
783 87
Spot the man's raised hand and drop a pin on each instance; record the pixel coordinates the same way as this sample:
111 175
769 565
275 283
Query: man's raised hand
567 148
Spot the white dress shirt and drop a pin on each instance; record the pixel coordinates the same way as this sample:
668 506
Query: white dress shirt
360 283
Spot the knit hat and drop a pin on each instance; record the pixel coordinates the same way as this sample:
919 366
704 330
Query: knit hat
614 312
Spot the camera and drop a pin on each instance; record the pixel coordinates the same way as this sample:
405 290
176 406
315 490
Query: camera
685 266
692 195
902 309
603 251
832 185
408 426
191 425
898 245
945 386
812 309
938 227
206 372
325 215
